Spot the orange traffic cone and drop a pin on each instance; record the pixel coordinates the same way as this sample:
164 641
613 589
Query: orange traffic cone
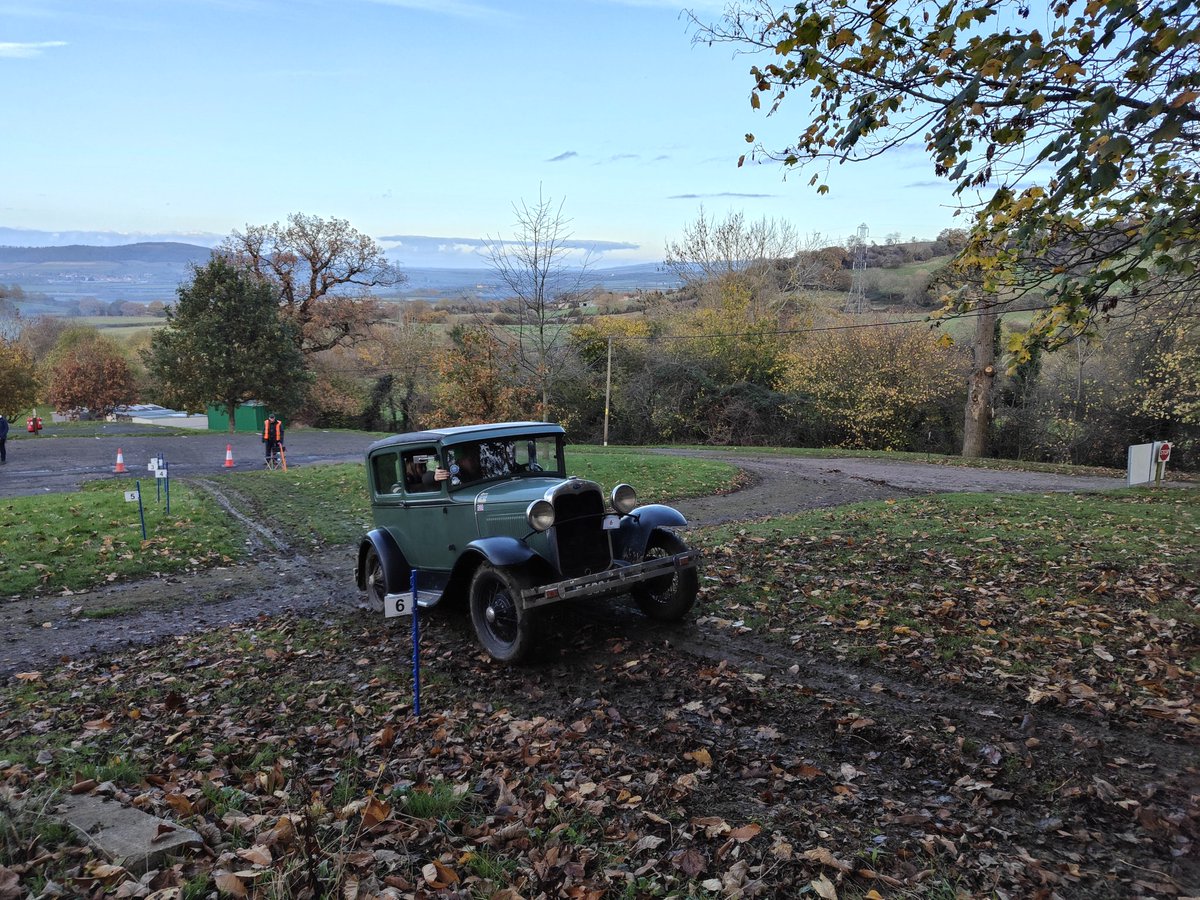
120 466
229 456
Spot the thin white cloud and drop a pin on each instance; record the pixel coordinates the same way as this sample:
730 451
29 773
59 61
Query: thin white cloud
28 50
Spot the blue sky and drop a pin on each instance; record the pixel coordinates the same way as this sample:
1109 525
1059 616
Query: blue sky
408 118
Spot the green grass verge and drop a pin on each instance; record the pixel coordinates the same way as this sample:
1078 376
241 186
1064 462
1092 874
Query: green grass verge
74 541
57 542
321 504
93 429
655 477
941 459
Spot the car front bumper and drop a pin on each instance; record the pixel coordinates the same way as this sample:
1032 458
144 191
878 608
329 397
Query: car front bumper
616 580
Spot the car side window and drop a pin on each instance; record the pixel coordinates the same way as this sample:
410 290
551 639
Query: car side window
386 473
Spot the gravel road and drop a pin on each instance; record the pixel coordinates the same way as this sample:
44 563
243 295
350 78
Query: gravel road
51 463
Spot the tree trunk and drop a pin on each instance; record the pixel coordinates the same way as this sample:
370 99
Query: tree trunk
977 424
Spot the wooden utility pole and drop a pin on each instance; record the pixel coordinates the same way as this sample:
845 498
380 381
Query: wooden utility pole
977 424
607 389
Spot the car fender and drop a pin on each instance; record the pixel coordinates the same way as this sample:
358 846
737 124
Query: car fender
502 551
633 534
396 569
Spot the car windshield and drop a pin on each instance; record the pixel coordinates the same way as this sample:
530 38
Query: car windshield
504 458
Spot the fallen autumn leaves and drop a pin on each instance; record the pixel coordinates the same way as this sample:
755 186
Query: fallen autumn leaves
831 727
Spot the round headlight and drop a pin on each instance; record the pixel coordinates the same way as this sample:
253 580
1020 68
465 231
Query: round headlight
540 514
624 499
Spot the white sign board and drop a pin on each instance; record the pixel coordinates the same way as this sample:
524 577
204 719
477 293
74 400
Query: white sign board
397 605
1141 463
160 473
131 496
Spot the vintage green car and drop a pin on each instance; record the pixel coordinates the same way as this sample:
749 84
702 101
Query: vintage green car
488 512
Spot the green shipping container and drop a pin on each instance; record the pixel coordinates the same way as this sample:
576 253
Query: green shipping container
250 416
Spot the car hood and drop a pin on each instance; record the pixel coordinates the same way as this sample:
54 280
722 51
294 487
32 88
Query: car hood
522 490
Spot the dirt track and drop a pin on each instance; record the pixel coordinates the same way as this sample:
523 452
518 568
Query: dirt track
276 579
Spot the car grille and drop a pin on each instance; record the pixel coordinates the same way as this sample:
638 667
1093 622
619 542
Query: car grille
578 527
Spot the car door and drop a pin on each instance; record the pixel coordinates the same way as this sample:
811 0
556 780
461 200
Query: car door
424 516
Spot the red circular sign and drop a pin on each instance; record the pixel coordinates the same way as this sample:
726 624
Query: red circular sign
1164 452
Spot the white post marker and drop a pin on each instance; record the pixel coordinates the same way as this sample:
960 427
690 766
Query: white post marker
1164 453
135 496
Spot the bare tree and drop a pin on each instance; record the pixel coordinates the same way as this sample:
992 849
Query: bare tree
541 267
324 271
766 261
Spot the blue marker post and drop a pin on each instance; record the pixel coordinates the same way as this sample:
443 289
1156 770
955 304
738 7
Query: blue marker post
167 484
416 644
141 512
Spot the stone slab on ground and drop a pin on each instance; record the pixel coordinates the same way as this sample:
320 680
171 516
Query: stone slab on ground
126 836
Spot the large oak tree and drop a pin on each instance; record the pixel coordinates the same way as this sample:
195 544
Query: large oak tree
225 342
323 272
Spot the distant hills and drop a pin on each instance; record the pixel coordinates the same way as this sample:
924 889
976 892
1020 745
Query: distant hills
171 252
27 237
56 278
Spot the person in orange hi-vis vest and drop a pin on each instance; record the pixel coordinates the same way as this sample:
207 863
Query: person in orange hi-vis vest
272 435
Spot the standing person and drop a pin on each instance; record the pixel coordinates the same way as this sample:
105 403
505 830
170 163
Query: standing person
3 438
272 435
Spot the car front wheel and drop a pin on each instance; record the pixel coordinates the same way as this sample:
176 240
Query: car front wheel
376 580
504 629
667 597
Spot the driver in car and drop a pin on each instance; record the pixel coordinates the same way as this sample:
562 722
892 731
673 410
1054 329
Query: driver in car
465 468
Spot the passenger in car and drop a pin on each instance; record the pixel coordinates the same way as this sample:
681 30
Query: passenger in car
417 476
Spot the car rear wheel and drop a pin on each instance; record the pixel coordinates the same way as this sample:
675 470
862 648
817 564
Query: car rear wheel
504 629
376 580
667 597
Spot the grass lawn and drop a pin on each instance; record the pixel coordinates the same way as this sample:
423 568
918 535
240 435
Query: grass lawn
941 459
74 541
56 542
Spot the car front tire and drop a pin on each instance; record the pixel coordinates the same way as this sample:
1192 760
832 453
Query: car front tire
375 580
667 598
503 627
